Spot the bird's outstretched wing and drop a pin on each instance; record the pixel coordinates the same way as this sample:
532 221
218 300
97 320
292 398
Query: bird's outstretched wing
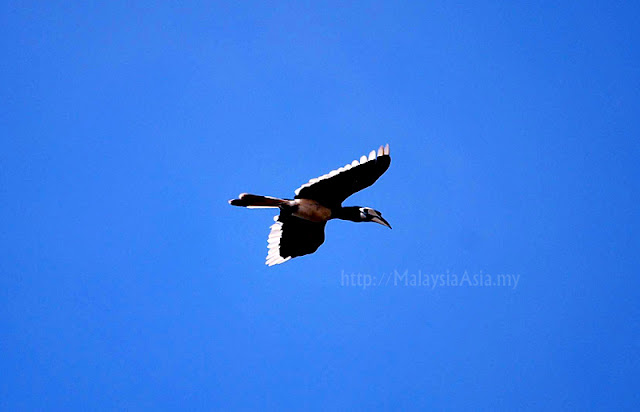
334 187
292 236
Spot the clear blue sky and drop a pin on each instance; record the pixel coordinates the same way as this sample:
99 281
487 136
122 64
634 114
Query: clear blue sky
128 283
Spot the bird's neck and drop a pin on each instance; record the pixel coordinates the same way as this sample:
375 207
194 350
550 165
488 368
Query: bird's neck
351 213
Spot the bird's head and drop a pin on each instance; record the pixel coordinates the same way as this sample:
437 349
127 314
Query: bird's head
370 215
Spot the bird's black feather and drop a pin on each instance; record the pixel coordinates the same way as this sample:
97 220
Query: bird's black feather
332 191
299 236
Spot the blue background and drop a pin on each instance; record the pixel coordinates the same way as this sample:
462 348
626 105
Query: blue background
128 282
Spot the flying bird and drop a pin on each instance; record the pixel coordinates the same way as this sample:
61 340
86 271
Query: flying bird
299 228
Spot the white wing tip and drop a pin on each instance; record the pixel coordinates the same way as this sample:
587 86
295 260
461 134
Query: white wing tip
386 149
276 260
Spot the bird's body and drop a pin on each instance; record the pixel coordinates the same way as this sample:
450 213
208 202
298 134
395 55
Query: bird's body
299 229
310 210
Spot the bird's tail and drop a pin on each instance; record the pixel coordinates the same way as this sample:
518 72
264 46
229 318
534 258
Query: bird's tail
257 201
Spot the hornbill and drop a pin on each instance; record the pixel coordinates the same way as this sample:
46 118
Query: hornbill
299 229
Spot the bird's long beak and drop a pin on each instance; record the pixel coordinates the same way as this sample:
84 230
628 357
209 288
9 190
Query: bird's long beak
379 219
